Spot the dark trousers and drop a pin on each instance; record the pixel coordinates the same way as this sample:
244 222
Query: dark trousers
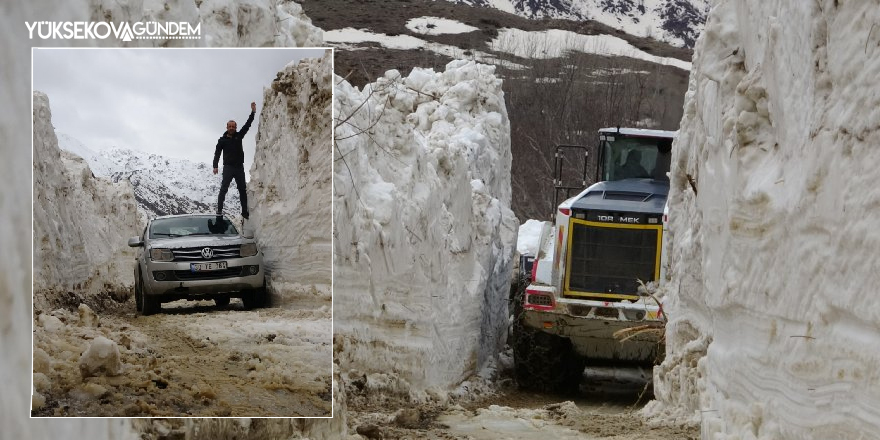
233 172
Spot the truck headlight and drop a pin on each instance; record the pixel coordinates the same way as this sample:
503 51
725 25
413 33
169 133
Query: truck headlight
248 249
161 255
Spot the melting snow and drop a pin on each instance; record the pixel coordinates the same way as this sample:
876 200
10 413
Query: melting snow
529 237
555 43
438 26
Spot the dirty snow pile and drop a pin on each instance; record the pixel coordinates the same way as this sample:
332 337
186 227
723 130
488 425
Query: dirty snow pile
290 187
529 237
81 223
774 322
423 232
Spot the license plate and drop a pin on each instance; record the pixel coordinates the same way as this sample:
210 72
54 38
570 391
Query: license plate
207 267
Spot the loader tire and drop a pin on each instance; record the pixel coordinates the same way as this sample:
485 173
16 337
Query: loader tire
542 361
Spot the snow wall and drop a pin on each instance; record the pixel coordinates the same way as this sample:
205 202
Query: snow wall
81 223
775 328
263 25
423 232
290 189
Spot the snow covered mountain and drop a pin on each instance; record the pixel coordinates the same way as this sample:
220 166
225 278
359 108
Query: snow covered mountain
677 22
162 185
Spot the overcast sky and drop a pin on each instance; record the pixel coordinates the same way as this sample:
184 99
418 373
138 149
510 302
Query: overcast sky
173 102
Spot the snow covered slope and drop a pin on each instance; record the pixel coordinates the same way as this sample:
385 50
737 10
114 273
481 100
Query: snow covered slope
423 232
677 22
81 223
290 188
775 326
162 185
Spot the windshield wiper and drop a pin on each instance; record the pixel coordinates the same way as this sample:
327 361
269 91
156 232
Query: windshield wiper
167 234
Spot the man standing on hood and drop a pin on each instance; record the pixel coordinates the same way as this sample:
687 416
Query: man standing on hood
233 162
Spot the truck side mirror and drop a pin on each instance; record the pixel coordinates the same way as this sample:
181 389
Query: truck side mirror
135 242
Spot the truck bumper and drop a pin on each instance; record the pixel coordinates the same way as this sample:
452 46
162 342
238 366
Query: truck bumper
593 338
235 281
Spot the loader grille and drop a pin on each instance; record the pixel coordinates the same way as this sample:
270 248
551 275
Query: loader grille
610 259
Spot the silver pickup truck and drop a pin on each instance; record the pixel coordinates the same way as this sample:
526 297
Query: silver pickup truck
193 257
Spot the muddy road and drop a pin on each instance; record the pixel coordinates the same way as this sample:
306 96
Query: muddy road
193 359
605 407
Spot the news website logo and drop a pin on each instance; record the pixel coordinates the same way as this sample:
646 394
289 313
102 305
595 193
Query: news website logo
101 30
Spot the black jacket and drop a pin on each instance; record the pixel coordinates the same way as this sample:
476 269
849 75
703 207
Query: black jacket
233 154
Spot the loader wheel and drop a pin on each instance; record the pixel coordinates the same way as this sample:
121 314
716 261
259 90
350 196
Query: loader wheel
542 362
545 362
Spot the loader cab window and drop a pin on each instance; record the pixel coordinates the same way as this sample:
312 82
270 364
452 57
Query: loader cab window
635 158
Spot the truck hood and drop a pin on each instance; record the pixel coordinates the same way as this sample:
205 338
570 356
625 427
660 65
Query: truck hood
628 195
198 241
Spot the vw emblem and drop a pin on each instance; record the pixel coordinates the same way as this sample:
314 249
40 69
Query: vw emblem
207 253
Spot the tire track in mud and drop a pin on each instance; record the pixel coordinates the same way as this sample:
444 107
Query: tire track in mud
224 369
605 407
190 361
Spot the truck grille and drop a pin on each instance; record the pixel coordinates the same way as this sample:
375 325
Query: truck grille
195 253
611 259
185 275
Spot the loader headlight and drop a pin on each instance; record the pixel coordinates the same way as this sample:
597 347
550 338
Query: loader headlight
161 255
248 249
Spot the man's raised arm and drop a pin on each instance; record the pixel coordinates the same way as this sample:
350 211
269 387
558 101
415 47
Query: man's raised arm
247 125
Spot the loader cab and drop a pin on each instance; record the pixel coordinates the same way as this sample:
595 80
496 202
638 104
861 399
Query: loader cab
611 232
631 153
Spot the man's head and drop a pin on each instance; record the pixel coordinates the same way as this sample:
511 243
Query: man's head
634 157
231 127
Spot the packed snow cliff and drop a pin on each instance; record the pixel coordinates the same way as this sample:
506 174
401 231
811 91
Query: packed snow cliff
290 189
81 223
773 328
423 232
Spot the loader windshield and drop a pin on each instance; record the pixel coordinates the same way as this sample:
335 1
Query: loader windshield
636 158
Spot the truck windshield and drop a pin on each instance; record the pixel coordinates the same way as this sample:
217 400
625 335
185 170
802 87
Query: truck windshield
183 226
636 158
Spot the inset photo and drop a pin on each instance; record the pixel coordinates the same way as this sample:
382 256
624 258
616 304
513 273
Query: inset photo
182 232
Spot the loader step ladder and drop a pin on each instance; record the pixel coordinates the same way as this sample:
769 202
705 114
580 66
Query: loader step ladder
564 183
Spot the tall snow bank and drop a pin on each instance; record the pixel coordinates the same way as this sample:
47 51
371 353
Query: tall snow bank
290 188
774 328
423 232
81 223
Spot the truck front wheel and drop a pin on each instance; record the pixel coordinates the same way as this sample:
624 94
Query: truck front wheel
545 362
